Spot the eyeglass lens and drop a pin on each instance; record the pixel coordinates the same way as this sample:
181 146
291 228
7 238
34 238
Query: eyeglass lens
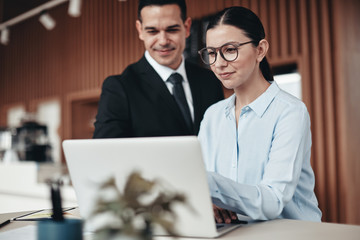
228 52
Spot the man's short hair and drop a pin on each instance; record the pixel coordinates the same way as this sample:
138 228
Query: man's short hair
145 3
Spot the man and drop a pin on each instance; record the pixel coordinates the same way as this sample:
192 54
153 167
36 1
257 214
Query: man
143 101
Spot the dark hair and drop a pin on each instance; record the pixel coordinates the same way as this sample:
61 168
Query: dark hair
145 3
248 22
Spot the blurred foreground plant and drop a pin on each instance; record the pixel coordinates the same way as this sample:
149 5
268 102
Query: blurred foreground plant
134 212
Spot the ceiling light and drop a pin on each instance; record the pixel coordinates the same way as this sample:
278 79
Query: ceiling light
5 36
74 8
47 21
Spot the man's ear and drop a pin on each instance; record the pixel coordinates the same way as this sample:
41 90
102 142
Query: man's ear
139 29
263 48
187 25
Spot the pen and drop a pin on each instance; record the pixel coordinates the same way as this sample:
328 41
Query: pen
5 223
41 217
56 201
26 214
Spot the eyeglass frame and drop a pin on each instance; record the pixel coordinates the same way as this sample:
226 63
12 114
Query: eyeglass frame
236 45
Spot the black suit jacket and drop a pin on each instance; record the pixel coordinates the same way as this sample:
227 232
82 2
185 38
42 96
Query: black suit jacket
137 103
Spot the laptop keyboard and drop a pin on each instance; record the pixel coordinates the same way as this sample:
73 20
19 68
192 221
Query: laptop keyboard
221 225
218 226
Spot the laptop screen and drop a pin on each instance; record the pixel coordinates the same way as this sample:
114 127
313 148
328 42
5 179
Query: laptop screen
176 161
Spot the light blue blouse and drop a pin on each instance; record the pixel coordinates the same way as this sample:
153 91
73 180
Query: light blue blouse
261 168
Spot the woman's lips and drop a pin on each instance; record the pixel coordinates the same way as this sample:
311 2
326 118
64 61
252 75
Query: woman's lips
225 75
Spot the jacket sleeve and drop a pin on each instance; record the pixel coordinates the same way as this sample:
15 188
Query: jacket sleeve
113 118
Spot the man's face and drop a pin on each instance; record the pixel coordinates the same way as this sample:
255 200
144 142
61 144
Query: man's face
164 33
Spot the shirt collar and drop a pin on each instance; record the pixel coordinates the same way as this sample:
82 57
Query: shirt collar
230 105
163 71
260 104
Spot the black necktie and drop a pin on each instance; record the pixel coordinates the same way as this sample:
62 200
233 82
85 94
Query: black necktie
179 95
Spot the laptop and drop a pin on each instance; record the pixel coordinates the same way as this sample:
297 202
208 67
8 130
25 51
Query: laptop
176 161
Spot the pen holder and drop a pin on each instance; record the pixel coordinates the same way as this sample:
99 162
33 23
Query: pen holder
69 229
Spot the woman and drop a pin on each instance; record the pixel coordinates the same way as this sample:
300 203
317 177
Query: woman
256 143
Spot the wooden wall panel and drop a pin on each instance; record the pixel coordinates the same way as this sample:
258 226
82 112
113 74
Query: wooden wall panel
346 18
326 58
283 25
292 37
72 61
317 122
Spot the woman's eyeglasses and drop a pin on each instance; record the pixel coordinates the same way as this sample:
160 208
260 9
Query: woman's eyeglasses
229 52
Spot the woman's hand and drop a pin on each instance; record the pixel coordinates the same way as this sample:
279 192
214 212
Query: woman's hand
223 215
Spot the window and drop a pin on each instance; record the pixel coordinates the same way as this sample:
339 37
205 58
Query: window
288 79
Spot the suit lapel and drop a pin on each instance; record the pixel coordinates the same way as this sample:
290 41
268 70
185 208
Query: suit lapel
157 86
196 92
150 77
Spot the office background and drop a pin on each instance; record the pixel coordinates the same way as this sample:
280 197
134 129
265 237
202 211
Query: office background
318 37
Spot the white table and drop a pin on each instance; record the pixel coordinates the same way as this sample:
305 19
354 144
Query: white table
21 188
282 229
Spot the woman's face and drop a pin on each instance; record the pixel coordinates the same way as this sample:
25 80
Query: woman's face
238 73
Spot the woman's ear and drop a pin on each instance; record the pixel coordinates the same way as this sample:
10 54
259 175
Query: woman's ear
263 47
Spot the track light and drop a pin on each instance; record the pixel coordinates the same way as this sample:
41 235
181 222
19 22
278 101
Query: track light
47 21
74 8
5 36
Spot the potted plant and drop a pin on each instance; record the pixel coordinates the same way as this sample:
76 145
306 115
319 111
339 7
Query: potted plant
133 213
